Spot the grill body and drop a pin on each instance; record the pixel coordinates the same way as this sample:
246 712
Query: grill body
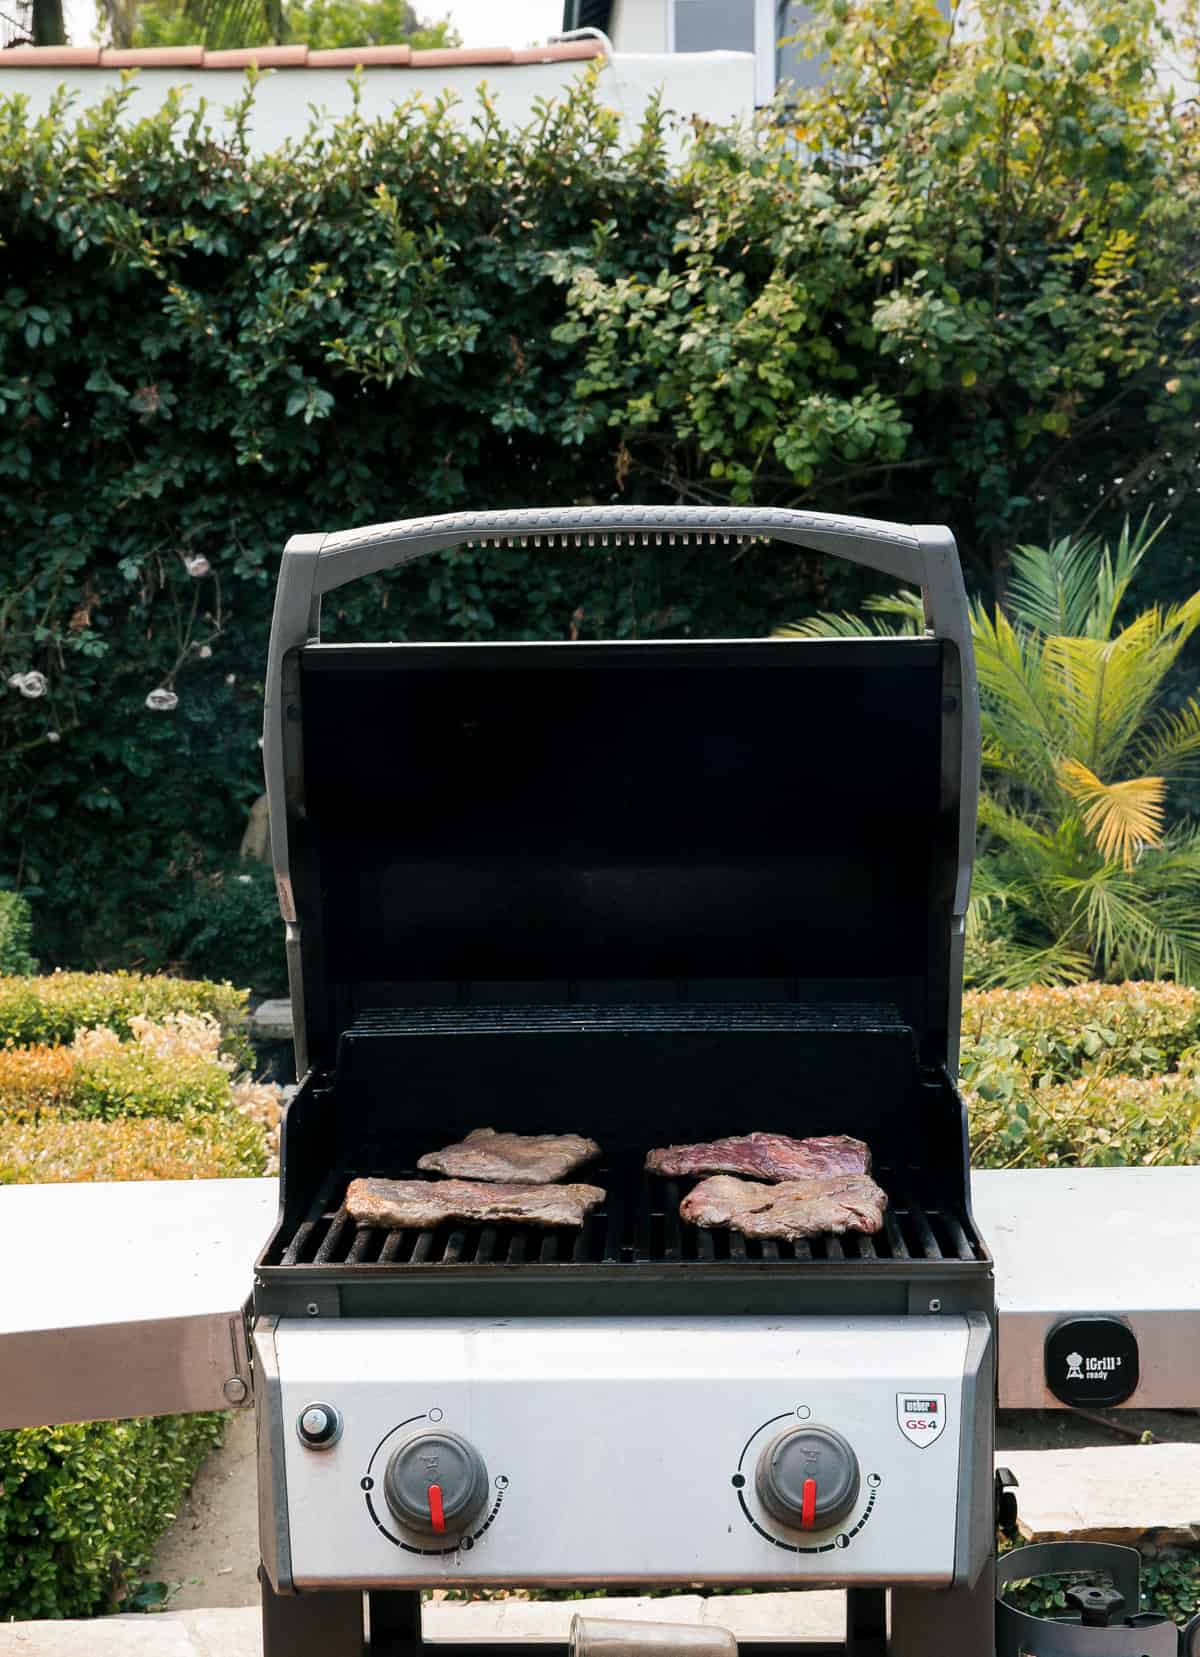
651 894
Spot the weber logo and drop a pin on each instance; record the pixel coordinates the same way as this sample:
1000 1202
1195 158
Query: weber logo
1092 1360
921 1420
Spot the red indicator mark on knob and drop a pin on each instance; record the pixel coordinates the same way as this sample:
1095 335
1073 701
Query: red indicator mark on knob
436 1511
808 1505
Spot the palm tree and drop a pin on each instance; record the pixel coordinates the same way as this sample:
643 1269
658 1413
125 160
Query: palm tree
1078 875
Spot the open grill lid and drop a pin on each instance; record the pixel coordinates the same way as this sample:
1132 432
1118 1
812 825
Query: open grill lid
737 821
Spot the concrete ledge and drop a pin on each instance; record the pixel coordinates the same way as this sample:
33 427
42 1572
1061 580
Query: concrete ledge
271 1021
820 1615
1143 1493
172 1634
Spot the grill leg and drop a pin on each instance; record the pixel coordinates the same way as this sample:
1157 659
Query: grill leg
866 1622
311 1625
395 1624
955 1622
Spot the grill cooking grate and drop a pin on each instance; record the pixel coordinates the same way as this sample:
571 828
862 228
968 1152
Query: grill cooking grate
638 1224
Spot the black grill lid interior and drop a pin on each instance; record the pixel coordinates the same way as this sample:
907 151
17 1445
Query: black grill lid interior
637 822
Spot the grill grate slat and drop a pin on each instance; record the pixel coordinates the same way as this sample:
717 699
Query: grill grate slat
638 1224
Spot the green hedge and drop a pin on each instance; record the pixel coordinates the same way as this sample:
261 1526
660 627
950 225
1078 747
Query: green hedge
83 1506
54 1008
1094 1075
414 314
16 932
1054 1034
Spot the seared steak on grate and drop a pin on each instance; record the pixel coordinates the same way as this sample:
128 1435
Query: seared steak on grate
794 1208
538 1158
770 1156
424 1203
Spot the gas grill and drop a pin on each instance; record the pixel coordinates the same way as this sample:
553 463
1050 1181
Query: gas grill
650 893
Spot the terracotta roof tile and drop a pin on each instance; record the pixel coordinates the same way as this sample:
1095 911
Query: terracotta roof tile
50 57
266 57
347 56
289 57
450 57
150 57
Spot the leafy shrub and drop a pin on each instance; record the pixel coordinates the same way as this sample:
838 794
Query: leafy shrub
84 1505
16 930
1091 1122
1055 1034
54 1008
170 1072
1095 1075
167 1070
412 315
227 925
69 1150
36 1081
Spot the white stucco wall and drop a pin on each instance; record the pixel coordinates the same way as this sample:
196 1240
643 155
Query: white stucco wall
639 25
716 86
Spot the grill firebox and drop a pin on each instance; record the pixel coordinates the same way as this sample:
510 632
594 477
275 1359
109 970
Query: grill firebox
622 1069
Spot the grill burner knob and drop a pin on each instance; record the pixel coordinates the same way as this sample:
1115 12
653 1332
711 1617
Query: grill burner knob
436 1482
318 1426
808 1478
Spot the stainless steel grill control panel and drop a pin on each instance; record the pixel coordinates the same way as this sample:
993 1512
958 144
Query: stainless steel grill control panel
591 1450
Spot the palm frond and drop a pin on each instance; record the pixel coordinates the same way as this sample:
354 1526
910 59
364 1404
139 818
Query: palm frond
991 892
905 611
907 605
1021 966
827 625
1116 570
1076 585
1104 688
1017 702
1053 589
1014 830
1135 933
228 23
1172 741
1123 817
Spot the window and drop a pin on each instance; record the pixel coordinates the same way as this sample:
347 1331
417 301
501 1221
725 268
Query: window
713 25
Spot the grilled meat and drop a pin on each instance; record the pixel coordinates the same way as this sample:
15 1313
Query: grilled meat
793 1208
769 1156
535 1158
424 1203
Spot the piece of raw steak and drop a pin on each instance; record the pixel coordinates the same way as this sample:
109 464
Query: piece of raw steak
770 1156
536 1158
793 1208
424 1203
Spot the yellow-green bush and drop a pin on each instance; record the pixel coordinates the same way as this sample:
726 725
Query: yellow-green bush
54 1008
67 1150
1052 1034
35 1081
168 1069
1093 1075
1092 1121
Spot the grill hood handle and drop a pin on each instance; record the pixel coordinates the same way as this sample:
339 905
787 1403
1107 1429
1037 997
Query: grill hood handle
922 554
